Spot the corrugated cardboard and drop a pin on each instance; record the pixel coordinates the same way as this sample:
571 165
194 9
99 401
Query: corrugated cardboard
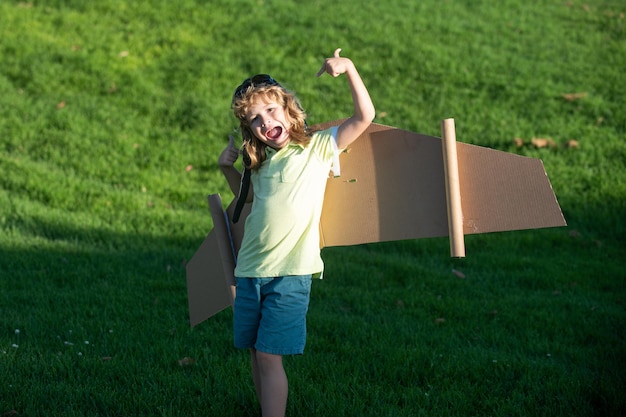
393 187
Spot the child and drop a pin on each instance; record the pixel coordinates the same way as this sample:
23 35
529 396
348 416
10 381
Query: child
280 253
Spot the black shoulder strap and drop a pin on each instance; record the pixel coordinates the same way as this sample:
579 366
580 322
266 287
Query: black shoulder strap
243 188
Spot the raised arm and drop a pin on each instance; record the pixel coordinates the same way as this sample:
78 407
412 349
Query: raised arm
364 111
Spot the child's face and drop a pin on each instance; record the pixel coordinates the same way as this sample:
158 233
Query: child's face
268 121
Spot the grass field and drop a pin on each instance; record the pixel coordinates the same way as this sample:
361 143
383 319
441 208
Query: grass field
112 114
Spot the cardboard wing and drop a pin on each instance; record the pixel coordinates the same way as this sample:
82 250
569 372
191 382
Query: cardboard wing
210 280
395 185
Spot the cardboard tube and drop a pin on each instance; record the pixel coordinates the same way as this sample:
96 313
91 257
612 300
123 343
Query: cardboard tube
453 189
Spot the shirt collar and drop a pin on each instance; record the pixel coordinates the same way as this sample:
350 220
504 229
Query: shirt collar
269 151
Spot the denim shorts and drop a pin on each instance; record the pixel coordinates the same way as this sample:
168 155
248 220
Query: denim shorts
270 314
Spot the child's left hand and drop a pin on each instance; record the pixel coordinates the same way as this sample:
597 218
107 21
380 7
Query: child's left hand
336 65
229 155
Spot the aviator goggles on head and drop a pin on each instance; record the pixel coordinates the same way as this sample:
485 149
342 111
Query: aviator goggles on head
259 80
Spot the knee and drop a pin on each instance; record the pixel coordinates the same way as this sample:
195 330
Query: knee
268 361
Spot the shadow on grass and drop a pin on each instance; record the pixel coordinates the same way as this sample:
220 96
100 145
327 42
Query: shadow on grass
97 322
125 294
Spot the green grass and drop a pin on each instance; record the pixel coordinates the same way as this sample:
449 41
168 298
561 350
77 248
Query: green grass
112 114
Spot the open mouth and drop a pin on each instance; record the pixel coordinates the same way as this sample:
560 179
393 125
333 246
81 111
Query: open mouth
274 133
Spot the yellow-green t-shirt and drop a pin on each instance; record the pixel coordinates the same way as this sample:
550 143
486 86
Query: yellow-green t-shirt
281 235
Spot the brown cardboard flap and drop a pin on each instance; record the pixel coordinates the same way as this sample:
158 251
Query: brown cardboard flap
207 290
391 187
501 191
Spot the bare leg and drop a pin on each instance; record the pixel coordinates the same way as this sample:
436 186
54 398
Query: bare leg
255 374
273 387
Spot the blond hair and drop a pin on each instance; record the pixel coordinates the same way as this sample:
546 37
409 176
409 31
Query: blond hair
254 149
